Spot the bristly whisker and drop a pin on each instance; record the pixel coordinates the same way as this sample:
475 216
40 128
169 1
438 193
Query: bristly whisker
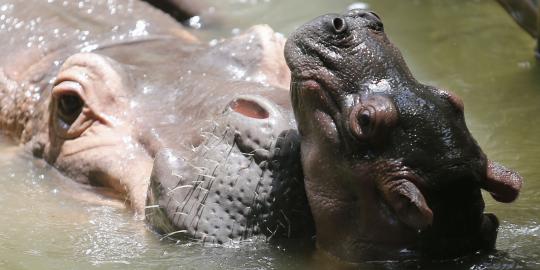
172 233
179 187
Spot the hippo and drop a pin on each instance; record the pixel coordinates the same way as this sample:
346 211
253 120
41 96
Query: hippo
526 14
390 169
203 140
116 94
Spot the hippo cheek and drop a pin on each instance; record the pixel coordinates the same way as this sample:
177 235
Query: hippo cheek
108 161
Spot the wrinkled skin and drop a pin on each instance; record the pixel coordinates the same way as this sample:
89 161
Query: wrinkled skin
391 170
526 14
101 90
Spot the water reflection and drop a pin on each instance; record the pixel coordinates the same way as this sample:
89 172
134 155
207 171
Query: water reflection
470 47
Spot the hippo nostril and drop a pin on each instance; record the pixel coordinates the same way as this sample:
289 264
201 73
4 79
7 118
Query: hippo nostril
249 108
339 25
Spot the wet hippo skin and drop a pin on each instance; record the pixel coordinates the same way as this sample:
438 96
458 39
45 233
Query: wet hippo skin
391 170
202 138
117 94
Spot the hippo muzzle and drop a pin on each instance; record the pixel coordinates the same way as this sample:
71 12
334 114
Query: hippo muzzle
244 179
390 167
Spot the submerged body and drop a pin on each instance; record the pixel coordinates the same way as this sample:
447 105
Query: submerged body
391 170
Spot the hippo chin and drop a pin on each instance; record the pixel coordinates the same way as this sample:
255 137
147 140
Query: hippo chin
391 170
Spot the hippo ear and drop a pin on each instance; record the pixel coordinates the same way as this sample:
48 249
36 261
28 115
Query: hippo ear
407 202
503 184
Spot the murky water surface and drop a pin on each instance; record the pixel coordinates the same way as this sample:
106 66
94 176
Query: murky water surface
470 47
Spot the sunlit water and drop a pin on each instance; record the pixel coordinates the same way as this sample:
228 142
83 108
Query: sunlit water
470 47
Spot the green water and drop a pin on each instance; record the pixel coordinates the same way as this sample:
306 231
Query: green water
470 47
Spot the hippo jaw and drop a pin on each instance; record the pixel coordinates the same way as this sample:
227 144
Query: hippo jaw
385 157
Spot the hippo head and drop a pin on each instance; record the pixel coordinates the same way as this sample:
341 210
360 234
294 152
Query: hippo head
201 138
390 167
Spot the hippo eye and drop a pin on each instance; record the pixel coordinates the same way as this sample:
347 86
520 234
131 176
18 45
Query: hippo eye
375 15
68 102
373 21
69 107
376 26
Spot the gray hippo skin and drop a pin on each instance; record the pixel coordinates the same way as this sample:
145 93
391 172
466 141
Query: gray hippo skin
100 90
526 14
391 170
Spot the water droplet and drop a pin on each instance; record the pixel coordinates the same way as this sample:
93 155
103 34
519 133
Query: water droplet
140 29
213 42
195 22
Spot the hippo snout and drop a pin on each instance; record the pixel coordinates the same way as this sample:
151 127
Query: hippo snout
242 180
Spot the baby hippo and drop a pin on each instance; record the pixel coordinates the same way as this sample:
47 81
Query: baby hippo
391 170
